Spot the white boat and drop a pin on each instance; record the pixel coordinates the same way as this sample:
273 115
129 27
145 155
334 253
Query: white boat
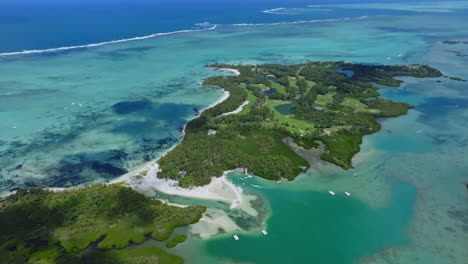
264 232
347 193
355 174
332 193
236 237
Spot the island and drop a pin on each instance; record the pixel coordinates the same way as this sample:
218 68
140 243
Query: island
269 121
274 109
92 224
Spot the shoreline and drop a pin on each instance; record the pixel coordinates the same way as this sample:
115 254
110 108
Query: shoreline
219 189
235 71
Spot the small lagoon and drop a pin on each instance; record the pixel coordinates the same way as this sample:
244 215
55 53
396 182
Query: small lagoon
284 109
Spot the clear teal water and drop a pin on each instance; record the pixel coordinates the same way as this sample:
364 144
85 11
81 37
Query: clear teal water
408 202
314 226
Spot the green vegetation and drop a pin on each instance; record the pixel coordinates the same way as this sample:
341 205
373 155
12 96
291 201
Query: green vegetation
310 103
456 79
176 240
144 255
453 42
40 226
358 106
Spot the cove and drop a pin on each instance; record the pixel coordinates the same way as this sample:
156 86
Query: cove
315 227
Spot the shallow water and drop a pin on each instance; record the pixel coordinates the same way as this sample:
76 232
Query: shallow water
408 180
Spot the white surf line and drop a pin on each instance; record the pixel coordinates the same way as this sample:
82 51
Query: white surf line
300 22
235 71
238 110
275 11
104 43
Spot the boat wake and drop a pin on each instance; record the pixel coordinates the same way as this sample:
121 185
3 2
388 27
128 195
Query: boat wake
108 42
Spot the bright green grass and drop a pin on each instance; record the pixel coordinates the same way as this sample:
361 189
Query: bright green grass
358 106
260 86
252 100
325 100
292 81
279 88
295 126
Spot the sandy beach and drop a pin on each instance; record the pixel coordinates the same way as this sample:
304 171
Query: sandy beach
236 72
238 110
145 178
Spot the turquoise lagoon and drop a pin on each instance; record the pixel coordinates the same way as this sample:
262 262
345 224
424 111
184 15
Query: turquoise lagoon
90 115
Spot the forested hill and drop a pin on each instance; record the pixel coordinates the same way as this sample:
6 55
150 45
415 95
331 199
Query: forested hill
333 103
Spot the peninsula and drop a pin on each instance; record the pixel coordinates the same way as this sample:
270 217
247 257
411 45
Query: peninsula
329 105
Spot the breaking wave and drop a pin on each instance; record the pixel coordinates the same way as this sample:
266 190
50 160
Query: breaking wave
106 42
299 22
275 11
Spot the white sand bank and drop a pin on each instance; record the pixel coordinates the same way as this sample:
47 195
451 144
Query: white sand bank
236 72
212 222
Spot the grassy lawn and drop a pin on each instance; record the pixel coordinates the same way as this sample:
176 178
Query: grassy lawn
358 106
279 88
325 100
292 81
252 100
296 126
260 86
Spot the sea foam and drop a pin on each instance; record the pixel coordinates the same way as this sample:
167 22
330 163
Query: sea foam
105 43
275 11
299 22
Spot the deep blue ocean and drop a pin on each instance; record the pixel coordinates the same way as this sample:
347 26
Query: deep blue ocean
30 25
